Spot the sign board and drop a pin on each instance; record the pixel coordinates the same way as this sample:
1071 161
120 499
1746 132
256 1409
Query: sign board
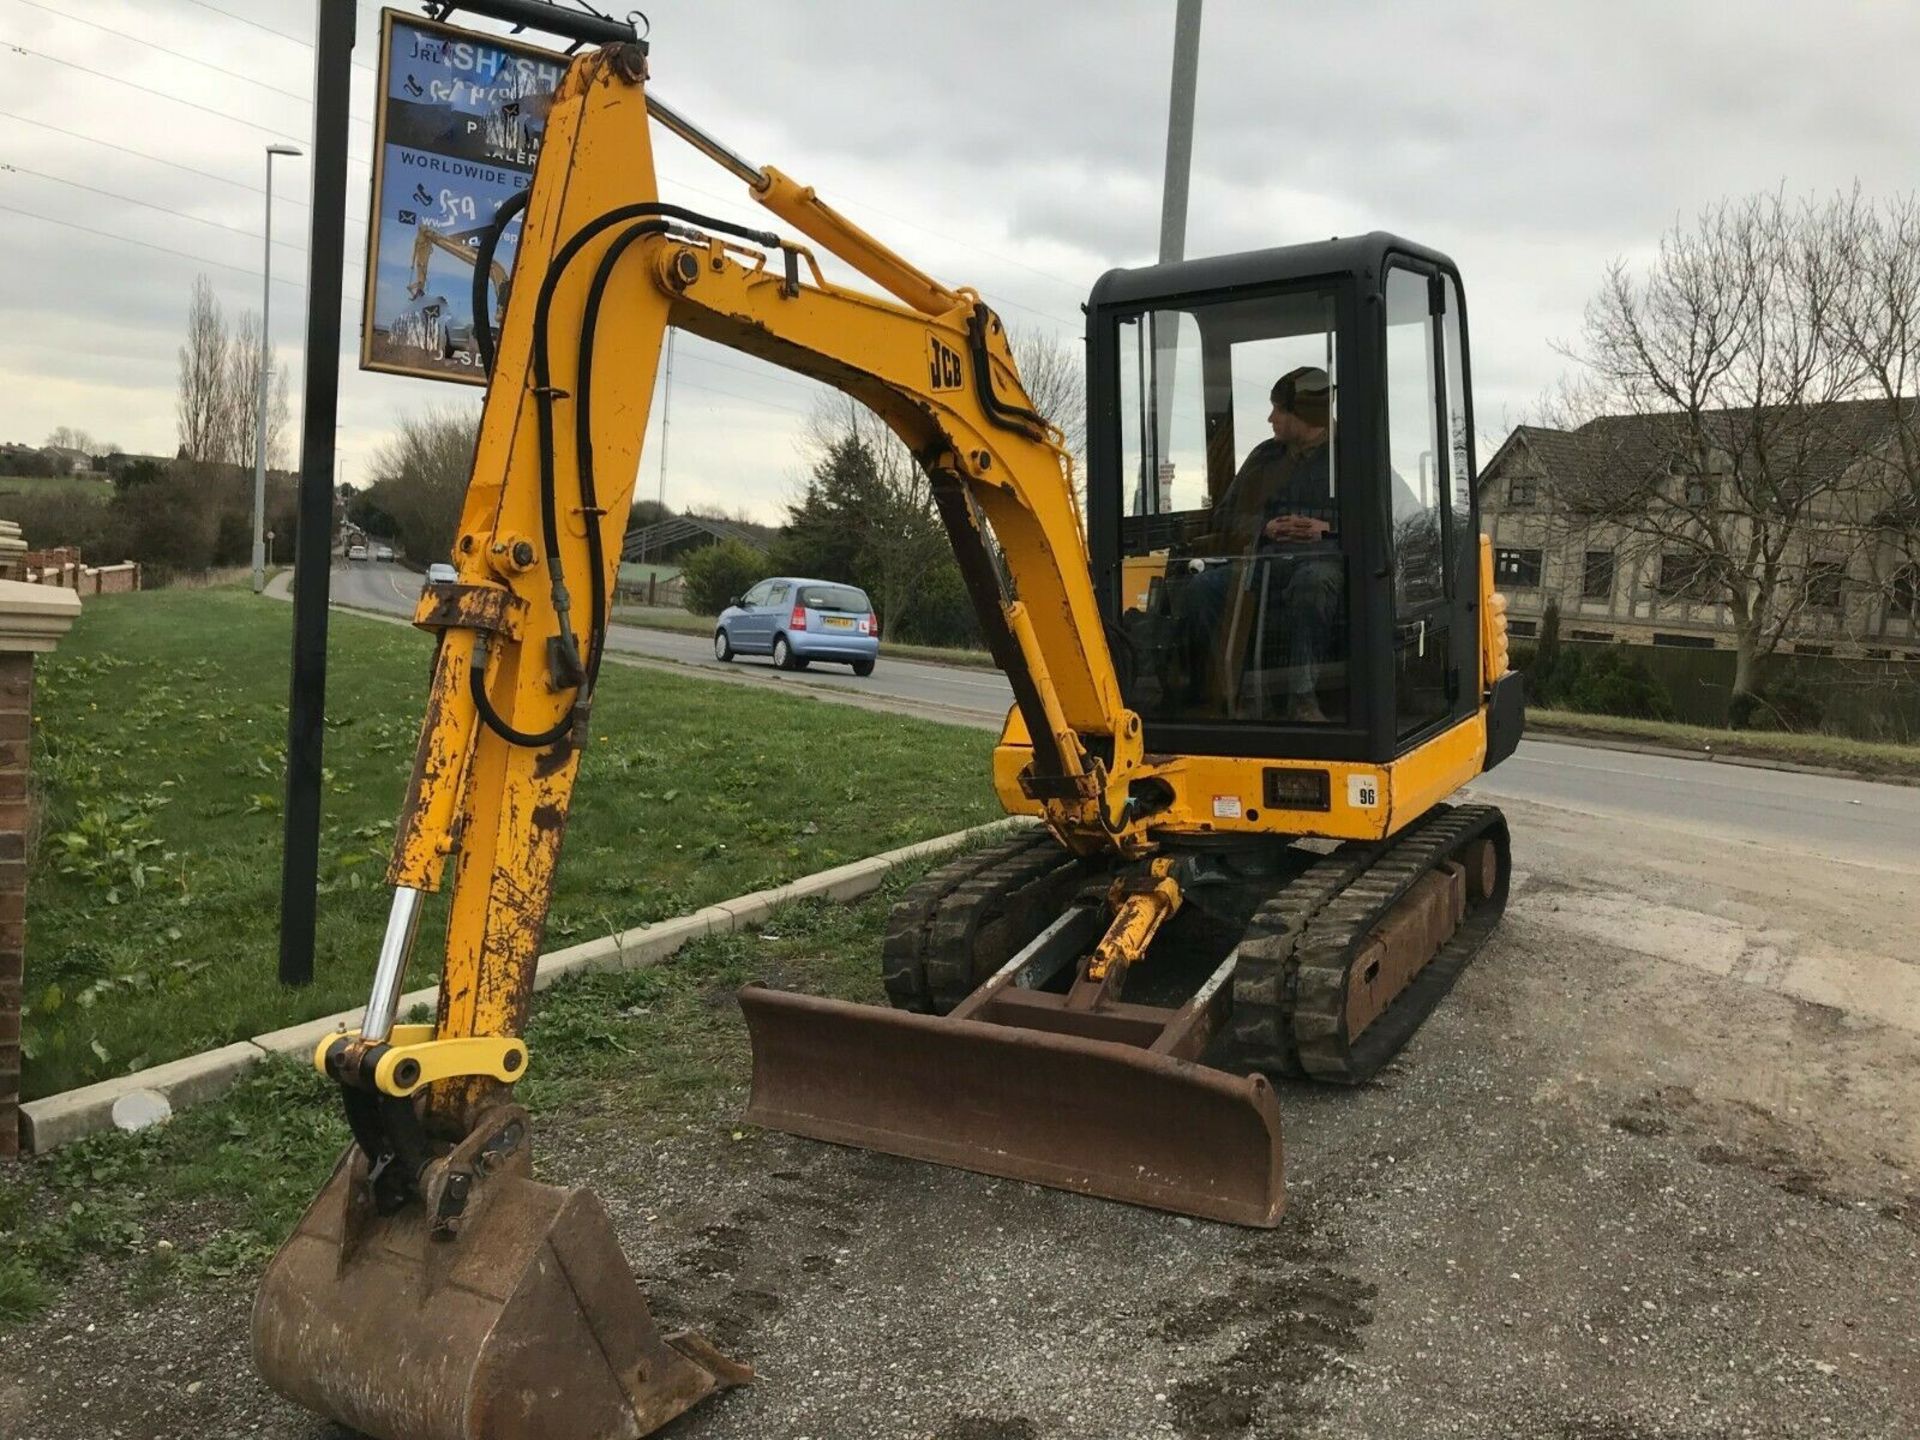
457 129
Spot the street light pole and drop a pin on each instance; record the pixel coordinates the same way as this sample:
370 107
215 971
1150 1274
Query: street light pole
1173 238
260 397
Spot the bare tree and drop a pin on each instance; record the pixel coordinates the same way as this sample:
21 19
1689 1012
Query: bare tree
1711 417
420 479
67 437
203 376
1879 323
1055 374
220 386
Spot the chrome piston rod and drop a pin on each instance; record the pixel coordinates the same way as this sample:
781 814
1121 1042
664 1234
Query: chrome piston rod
403 920
713 149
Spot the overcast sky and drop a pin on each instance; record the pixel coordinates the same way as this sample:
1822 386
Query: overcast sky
1013 147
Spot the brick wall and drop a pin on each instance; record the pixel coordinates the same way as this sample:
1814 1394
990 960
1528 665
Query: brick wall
115 579
16 704
85 579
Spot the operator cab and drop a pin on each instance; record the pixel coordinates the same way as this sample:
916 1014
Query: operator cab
1281 512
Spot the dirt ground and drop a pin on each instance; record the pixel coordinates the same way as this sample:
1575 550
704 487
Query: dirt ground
1652 1173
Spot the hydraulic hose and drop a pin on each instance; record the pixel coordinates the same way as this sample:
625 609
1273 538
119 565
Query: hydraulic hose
581 672
483 274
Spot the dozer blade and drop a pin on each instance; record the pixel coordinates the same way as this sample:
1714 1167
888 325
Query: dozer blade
526 1326
1091 1116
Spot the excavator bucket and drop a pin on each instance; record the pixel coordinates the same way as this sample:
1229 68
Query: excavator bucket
1126 1121
525 1324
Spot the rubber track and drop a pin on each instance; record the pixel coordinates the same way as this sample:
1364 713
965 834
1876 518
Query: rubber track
968 916
1259 1031
1327 944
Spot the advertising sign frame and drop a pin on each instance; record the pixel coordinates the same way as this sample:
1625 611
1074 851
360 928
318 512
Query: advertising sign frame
472 176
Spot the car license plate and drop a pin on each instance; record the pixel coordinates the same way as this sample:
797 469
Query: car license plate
839 622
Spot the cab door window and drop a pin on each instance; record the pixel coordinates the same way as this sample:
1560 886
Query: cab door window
1420 482
1233 572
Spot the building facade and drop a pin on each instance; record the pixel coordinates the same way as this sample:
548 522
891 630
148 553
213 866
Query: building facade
1645 530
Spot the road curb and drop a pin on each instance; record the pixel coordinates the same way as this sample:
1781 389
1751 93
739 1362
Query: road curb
1715 757
56 1120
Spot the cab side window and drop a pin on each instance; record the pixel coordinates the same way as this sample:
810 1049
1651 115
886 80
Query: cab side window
756 596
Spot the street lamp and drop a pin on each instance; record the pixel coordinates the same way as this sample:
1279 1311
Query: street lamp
260 399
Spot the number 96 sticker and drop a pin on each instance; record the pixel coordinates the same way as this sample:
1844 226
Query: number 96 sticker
1363 792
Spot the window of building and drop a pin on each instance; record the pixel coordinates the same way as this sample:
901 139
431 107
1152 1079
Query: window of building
1905 599
1804 649
1596 581
1590 635
1523 629
1699 492
1683 642
1683 573
1520 491
1516 569
1825 581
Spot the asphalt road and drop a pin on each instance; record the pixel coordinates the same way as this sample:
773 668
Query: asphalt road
1858 822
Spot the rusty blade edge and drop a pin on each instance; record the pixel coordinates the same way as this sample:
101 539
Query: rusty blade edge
1142 1129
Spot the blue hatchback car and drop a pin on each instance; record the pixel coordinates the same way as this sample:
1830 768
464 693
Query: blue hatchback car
798 621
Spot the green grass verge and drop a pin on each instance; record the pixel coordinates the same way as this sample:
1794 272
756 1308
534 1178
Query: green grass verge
93 487
207 1197
154 894
661 617
1837 752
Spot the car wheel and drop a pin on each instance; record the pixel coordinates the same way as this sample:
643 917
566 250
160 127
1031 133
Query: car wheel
722 647
863 668
783 656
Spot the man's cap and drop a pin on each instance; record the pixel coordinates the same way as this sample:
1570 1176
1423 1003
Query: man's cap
1306 391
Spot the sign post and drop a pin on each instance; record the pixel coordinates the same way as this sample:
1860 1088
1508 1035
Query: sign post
313 546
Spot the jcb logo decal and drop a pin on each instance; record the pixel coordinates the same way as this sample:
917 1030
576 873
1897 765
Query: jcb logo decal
943 364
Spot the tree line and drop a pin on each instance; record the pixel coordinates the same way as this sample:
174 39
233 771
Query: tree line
193 512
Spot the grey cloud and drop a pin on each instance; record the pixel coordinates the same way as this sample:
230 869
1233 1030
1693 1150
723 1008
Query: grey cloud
994 140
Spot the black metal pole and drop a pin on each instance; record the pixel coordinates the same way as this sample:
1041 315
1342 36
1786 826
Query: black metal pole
313 548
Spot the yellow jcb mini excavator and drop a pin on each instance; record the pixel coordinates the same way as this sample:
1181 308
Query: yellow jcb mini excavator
1242 693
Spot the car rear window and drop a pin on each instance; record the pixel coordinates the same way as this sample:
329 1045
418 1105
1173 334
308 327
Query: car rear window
834 597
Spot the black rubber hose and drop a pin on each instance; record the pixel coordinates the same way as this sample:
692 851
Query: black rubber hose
483 274
653 216
1007 417
494 721
583 445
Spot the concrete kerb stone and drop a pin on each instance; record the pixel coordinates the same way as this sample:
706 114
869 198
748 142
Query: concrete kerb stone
631 949
61 1119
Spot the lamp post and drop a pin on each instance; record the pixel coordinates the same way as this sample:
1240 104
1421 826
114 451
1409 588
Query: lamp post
260 398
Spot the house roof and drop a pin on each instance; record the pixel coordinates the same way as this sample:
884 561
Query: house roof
1614 457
